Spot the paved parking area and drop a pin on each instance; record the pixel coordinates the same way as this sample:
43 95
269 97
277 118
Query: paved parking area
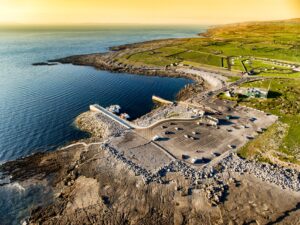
202 143
194 141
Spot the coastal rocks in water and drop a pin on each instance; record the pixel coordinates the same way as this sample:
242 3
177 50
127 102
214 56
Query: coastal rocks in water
44 64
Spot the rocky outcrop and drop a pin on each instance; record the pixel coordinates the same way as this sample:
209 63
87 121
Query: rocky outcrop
98 125
44 64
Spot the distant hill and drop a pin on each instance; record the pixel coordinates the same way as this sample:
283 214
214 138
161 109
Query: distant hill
297 20
255 28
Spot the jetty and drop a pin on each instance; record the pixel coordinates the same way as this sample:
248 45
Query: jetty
161 100
98 108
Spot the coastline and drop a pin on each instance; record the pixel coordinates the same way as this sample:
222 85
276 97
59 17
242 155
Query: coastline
105 61
44 168
76 170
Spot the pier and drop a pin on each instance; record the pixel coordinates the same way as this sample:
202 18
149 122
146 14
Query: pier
98 108
161 100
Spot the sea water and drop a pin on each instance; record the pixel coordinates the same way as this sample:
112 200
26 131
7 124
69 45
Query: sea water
38 104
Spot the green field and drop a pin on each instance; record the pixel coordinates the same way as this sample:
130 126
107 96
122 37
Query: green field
199 57
266 40
283 139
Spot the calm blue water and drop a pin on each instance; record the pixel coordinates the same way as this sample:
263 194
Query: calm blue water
38 104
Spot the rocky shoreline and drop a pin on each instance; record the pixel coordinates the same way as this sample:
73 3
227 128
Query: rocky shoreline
106 61
94 183
94 162
97 164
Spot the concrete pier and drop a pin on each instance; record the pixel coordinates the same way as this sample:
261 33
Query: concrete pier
161 100
98 108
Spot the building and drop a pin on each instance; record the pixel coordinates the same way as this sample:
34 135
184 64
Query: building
253 92
256 93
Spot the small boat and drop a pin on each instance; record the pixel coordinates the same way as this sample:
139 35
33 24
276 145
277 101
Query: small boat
125 116
114 109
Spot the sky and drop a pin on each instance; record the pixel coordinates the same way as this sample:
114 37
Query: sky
145 11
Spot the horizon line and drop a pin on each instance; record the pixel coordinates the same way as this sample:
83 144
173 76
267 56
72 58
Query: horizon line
18 24
132 23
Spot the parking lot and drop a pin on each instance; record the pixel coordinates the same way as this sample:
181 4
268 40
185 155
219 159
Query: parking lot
198 143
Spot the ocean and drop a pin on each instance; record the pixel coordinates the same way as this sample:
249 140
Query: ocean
38 104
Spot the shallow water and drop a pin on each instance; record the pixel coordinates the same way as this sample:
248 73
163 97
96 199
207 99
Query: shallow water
16 201
38 104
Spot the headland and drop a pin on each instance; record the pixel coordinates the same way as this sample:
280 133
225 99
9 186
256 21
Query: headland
219 154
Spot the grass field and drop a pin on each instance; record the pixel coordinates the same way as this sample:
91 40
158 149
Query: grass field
268 40
150 58
200 57
282 141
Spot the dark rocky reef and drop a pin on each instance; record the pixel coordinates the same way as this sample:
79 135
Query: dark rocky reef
44 64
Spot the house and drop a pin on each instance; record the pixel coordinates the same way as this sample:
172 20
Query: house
256 93
252 92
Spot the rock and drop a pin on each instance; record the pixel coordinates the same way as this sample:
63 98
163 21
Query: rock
44 64
25 222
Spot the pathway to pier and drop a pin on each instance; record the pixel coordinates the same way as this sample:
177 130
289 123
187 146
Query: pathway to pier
130 125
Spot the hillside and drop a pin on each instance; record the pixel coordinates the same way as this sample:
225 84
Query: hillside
228 47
